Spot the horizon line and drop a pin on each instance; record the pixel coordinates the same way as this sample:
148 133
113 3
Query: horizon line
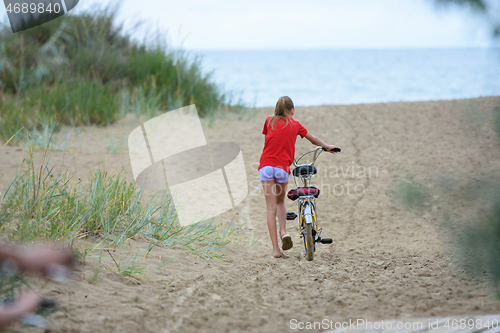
349 48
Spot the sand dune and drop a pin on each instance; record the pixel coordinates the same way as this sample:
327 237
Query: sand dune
386 262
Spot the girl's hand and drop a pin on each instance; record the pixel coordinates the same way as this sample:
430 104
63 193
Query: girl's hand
329 148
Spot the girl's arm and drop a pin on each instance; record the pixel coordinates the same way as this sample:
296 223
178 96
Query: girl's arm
318 142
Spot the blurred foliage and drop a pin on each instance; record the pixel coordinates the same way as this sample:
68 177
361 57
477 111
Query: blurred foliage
496 119
477 238
480 243
477 5
489 9
88 61
410 194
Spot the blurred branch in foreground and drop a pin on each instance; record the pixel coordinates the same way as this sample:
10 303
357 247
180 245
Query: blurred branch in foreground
489 9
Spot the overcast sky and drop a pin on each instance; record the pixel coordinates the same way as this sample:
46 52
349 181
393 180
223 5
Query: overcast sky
314 24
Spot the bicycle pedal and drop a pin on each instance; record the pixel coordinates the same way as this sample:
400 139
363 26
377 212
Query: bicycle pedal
326 241
291 216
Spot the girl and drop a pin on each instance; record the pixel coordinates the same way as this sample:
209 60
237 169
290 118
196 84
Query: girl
281 132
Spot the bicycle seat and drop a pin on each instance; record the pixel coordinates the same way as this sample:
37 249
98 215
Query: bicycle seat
303 170
295 193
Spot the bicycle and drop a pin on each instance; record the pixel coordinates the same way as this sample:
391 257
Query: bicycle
307 195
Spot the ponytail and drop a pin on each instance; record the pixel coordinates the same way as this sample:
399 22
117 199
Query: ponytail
280 107
283 108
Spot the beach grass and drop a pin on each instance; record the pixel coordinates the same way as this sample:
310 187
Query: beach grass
40 205
128 268
11 283
87 63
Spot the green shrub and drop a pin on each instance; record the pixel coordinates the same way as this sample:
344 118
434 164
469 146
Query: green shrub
87 61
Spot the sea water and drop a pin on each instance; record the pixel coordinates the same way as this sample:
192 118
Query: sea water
317 77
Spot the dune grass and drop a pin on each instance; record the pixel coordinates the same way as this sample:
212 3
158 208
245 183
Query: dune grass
37 204
129 268
89 62
11 283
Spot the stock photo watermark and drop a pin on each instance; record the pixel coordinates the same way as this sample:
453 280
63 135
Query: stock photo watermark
26 14
355 177
443 324
170 153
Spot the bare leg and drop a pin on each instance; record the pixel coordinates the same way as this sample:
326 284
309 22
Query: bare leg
280 206
268 186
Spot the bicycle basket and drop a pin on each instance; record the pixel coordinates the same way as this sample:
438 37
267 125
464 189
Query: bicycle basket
294 194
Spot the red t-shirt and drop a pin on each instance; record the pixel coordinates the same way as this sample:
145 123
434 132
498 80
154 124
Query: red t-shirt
279 148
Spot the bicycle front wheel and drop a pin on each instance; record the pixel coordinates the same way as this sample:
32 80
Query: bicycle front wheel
309 241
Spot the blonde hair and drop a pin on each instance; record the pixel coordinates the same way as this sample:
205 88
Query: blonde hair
283 109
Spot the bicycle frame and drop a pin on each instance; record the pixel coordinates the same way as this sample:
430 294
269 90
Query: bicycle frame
308 226
307 209
307 204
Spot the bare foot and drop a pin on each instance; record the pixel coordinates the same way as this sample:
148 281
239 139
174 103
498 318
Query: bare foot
278 254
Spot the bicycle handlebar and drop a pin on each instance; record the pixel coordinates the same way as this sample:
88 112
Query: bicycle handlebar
316 155
334 150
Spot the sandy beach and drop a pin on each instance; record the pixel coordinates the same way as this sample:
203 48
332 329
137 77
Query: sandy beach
386 262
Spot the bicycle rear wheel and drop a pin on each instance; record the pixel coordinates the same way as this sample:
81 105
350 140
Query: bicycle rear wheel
309 241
